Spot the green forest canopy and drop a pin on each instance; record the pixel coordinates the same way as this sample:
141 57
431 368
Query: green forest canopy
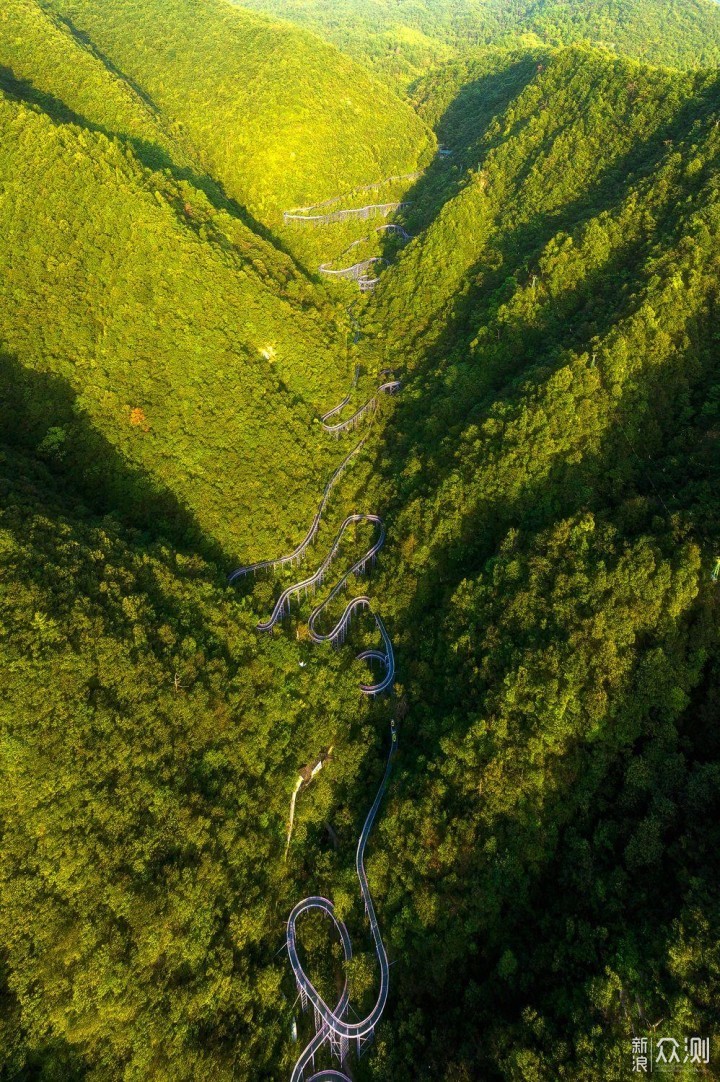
280 118
555 526
546 866
401 38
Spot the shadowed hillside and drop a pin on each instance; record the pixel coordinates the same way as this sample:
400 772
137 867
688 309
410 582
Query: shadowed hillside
551 473
148 739
545 863
278 117
198 349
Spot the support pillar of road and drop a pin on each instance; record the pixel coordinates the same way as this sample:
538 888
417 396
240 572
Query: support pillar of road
365 1042
335 1044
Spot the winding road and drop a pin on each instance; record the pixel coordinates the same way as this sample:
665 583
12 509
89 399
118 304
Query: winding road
304 214
338 633
390 387
372 210
359 271
331 1023
297 554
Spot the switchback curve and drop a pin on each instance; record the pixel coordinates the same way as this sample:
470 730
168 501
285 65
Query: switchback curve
330 1022
393 227
337 635
297 554
358 271
390 387
372 210
299 213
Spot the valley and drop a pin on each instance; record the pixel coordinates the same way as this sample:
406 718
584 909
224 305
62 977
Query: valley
396 332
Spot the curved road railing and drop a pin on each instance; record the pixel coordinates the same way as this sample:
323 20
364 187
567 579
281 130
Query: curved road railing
391 387
297 554
346 400
372 210
307 585
304 214
331 1023
393 227
375 186
339 632
357 271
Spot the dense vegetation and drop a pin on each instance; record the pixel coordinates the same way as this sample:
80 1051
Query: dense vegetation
148 733
172 305
194 344
552 470
546 865
277 116
40 57
402 38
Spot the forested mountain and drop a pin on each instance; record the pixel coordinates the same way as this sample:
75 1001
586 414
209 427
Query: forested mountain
147 732
278 117
166 313
400 38
552 473
545 866
156 308
41 59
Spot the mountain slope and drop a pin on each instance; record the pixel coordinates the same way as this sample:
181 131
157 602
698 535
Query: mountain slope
545 867
551 473
403 38
43 60
685 33
278 117
195 348
151 740
39 52
580 120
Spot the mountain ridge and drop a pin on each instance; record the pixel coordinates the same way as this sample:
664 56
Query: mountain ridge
685 33
547 475
304 136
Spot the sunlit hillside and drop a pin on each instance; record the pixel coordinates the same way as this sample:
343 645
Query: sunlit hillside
359 539
280 118
401 39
